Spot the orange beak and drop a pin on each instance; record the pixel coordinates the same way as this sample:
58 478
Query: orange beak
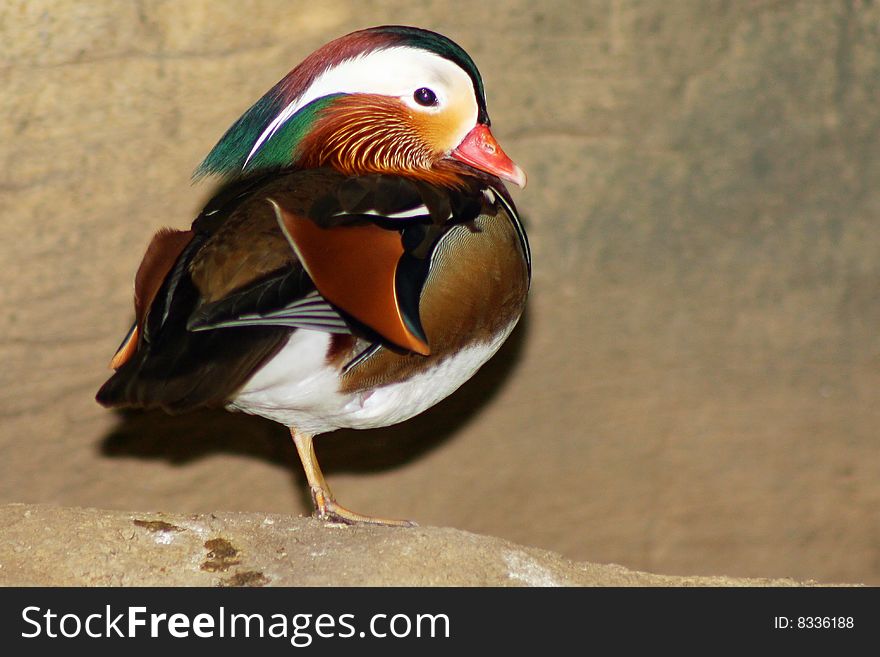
480 150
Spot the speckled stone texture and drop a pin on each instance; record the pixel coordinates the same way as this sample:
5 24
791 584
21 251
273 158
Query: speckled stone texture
696 386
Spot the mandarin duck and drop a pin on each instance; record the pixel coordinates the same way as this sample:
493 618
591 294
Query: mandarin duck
360 262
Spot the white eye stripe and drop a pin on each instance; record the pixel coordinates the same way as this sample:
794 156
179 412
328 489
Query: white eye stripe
396 71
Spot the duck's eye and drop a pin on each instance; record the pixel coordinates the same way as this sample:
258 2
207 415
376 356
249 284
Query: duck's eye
424 96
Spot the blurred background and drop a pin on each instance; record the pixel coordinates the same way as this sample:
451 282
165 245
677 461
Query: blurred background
696 386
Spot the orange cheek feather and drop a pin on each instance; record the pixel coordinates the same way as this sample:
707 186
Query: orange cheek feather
442 132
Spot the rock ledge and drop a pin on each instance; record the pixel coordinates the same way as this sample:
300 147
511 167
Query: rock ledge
56 546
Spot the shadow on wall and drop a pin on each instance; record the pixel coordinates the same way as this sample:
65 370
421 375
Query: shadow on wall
179 439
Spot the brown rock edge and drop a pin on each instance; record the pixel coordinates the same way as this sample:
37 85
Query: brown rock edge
46 545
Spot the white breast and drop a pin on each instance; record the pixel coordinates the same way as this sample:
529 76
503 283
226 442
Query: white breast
298 388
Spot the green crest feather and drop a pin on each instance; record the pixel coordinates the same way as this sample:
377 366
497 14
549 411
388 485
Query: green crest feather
229 157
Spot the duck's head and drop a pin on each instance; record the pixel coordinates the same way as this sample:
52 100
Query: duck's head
388 99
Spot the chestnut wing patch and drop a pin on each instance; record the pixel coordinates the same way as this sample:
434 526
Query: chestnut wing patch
354 266
367 244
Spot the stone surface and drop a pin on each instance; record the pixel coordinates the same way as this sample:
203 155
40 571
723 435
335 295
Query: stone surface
56 546
696 387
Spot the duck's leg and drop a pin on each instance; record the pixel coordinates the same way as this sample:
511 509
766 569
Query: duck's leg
326 507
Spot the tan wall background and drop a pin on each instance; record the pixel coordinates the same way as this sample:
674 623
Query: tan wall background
696 387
